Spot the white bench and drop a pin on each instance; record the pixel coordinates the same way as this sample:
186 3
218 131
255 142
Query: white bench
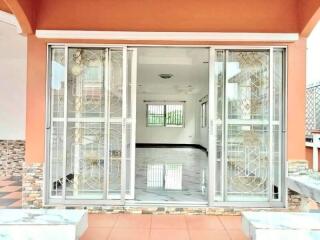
39 224
281 225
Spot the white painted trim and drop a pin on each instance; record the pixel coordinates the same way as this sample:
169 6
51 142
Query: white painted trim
168 36
10 19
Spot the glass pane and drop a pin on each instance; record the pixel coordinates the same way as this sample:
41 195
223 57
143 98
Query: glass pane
130 124
56 158
85 160
174 115
129 156
86 83
130 94
57 84
115 84
115 154
247 99
155 115
278 83
219 68
278 79
86 123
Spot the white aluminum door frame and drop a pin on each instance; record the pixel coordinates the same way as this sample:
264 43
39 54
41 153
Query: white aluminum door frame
213 201
124 121
132 119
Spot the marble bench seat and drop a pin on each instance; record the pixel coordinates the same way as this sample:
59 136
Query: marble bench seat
39 224
281 225
305 185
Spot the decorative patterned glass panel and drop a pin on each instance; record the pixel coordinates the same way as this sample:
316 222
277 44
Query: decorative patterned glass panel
87 100
115 154
115 84
86 83
247 150
86 122
85 160
247 162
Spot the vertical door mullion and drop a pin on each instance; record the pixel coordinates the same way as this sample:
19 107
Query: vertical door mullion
48 149
224 159
212 131
124 127
65 126
270 172
106 125
133 118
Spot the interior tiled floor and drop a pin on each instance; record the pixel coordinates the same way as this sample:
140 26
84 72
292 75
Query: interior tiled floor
163 227
10 192
171 175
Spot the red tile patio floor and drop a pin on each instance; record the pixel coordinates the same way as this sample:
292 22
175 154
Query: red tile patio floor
141 227
10 192
163 227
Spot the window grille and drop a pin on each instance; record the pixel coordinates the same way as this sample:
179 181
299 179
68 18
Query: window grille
165 115
204 114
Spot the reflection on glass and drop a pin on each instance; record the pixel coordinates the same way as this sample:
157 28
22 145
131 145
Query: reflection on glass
164 176
85 160
85 129
115 84
86 83
115 154
219 91
247 99
173 177
155 176
57 70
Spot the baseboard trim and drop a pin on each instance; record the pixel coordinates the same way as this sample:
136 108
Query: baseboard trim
170 145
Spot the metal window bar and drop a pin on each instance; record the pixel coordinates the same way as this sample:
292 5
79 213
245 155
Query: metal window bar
169 115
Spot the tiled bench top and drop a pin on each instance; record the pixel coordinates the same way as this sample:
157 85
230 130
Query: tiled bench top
305 185
42 224
281 225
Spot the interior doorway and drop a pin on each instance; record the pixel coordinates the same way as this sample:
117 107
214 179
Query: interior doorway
172 125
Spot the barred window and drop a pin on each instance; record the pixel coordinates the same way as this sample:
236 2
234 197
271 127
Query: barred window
165 115
204 115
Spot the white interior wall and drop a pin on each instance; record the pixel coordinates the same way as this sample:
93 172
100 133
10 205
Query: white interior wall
203 131
13 73
184 135
191 133
189 67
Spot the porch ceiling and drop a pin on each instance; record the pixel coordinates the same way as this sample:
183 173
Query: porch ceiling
189 67
285 16
4 7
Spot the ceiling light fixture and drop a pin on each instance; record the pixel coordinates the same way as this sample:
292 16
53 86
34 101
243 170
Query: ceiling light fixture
165 75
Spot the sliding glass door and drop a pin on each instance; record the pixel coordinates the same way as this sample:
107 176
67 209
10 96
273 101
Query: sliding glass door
91 123
247 124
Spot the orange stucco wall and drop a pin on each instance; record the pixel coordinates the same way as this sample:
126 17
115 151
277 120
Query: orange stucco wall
173 15
309 14
296 99
35 130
